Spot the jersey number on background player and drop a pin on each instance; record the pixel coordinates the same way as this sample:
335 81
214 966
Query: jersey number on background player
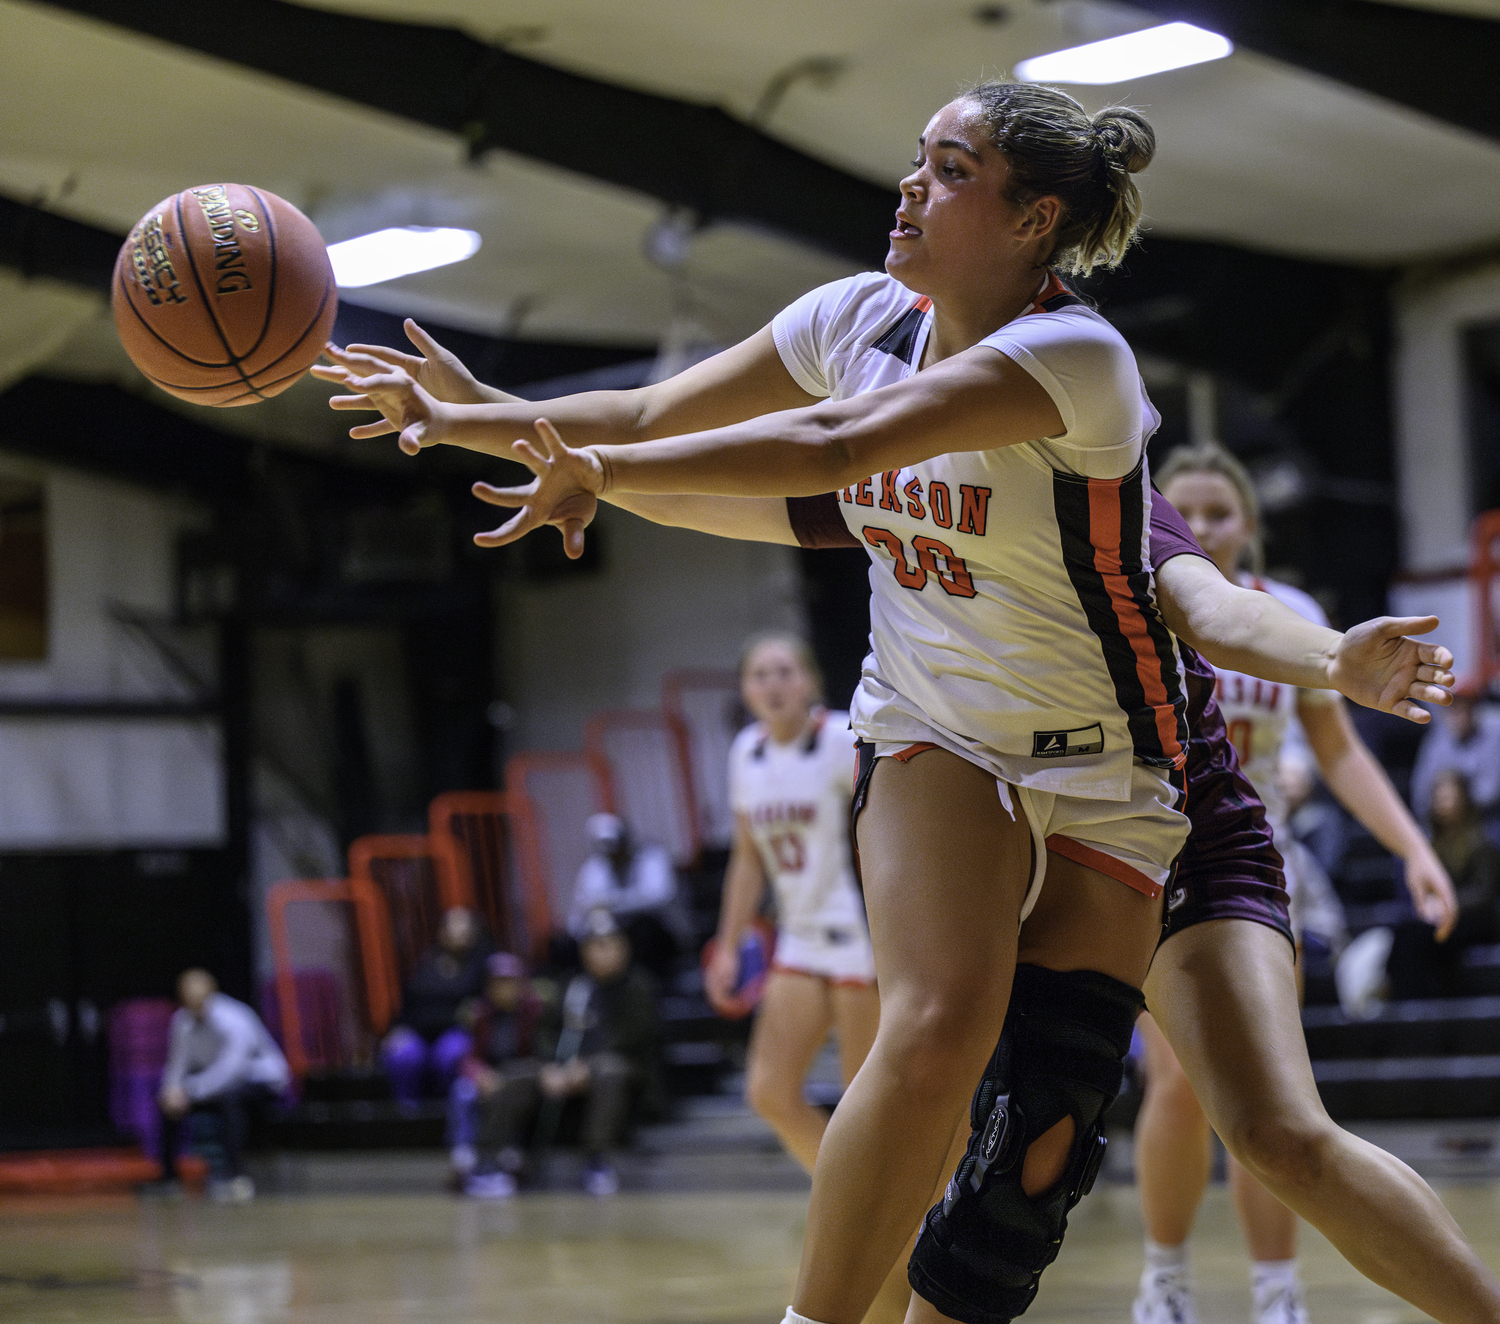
786 847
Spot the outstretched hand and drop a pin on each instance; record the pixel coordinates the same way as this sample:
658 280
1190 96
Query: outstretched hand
407 408
1377 665
564 492
438 371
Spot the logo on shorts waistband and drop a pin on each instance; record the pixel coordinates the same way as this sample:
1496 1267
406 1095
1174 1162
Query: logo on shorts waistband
1061 744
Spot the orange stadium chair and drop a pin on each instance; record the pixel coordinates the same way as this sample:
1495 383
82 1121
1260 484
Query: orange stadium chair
341 929
707 705
559 791
416 880
646 754
488 839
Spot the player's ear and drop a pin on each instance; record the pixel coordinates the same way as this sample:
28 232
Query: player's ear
1043 216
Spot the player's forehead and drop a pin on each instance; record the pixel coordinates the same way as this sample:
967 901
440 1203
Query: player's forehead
1202 487
960 123
773 655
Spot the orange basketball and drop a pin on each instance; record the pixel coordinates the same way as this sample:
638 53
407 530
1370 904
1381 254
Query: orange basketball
224 295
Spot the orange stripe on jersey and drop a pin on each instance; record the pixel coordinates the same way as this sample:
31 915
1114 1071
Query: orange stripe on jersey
1110 867
1104 526
1101 525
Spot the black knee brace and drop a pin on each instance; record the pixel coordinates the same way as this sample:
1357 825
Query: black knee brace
981 1252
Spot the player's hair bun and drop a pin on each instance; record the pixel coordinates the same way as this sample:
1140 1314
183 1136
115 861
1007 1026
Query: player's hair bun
1129 142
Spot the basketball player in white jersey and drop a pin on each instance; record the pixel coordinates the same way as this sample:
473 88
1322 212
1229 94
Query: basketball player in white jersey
1214 494
791 773
1010 730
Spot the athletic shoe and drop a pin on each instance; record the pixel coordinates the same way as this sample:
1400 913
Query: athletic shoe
1283 1305
1165 1297
600 1179
236 1190
491 1186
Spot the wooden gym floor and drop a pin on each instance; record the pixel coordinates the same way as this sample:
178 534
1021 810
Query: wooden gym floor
560 1258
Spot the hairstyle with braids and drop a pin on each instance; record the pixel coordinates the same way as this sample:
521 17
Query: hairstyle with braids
1055 147
1209 457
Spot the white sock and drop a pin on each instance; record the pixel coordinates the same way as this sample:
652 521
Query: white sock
792 1317
1161 1259
1271 1278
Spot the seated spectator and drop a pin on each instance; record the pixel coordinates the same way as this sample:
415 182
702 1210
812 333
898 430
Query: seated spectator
222 1065
1464 737
636 884
1312 820
1419 966
429 1038
497 1093
602 1038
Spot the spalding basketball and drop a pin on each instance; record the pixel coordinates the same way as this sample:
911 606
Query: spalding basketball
224 295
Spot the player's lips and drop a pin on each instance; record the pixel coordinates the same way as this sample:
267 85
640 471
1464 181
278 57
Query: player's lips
905 229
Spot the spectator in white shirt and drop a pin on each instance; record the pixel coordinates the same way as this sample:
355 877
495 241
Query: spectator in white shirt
221 1061
637 884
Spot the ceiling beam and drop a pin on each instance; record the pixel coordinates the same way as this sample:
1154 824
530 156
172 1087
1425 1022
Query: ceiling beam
688 155
1441 64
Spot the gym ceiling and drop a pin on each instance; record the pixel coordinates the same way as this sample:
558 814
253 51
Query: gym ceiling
680 169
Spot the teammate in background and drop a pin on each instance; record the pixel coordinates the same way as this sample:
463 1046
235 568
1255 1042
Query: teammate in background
1215 496
791 774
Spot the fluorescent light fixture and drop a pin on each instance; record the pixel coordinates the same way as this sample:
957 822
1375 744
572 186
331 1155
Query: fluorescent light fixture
386 254
1135 55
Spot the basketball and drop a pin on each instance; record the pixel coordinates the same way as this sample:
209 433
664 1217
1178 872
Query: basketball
224 295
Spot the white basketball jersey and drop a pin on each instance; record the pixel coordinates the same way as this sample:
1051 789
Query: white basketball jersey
1259 712
1013 612
796 798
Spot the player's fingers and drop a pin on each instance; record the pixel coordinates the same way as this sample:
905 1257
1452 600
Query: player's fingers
367 430
517 527
1435 655
351 402
1434 675
572 532
1411 712
418 337
1424 693
504 496
550 437
385 354
1393 625
523 450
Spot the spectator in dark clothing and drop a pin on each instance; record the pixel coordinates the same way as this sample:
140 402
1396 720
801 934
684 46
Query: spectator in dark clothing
1463 737
497 1092
1419 966
603 1040
429 1035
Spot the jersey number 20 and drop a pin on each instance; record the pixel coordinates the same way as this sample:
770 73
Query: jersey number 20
952 573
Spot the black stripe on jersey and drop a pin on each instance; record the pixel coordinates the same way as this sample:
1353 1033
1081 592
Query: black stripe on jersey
1072 503
901 340
1064 300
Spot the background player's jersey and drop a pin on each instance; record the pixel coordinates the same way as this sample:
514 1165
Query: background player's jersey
796 798
1258 713
1013 614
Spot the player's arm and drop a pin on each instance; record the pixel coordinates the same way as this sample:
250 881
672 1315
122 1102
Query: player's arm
1360 784
751 519
738 383
1374 664
744 888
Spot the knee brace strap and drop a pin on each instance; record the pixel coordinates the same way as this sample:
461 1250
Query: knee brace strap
1061 1054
